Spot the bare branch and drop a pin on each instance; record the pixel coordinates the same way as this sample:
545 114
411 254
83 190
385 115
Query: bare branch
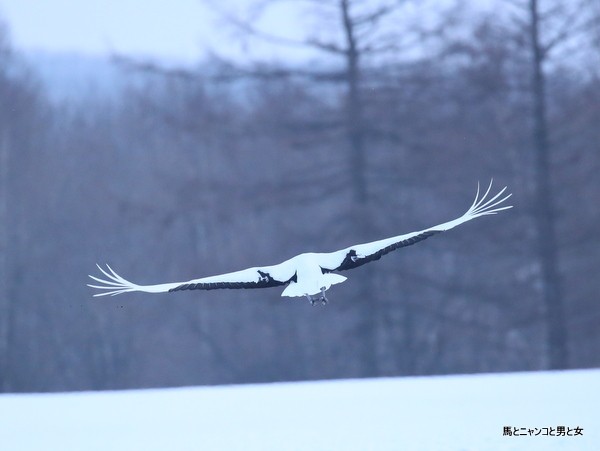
522 5
151 67
264 72
228 71
566 32
375 16
520 21
245 27
326 46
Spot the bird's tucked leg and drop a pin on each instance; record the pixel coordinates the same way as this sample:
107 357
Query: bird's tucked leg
323 298
317 297
310 299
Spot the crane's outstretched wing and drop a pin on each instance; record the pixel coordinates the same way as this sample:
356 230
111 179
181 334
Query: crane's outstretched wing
355 256
259 277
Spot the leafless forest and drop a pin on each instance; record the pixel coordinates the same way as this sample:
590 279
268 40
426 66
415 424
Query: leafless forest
194 171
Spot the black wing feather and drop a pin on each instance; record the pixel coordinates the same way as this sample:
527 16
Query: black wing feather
265 281
352 261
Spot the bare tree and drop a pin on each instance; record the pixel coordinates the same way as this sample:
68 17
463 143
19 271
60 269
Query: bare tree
6 304
545 214
342 105
20 111
362 36
550 34
548 29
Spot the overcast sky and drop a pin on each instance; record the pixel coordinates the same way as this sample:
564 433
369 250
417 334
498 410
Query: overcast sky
181 29
176 29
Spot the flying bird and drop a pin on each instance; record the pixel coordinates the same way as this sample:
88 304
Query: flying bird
309 274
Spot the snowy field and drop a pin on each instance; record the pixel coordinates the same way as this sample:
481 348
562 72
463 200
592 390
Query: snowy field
421 413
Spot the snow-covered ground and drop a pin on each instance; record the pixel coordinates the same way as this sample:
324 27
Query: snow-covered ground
420 413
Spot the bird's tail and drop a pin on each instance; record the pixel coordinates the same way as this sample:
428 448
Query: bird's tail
114 284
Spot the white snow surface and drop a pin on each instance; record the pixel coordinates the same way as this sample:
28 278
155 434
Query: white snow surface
417 413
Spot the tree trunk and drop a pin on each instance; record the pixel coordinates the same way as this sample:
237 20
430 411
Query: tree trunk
5 316
545 221
368 310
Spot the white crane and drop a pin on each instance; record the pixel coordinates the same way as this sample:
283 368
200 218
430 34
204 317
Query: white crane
309 274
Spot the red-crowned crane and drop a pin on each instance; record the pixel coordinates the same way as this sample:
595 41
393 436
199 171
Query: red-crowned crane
309 274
